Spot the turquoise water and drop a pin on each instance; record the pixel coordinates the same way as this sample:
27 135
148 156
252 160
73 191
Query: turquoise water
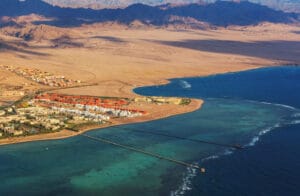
79 166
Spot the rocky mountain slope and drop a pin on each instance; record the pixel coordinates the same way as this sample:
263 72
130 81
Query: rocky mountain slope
286 5
221 13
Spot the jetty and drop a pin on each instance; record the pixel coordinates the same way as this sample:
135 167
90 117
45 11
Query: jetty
158 156
234 146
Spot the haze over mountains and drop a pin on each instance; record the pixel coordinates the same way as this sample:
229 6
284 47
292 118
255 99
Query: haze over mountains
286 5
221 13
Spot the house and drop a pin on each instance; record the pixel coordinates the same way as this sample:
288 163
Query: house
2 113
11 130
17 133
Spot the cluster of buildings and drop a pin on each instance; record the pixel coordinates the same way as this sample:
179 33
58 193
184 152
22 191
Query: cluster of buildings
78 114
42 77
88 105
54 112
83 100
30 120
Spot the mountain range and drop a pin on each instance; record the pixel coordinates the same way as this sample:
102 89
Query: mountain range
286 5
220 13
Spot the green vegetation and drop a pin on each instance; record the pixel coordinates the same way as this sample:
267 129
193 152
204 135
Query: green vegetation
76 127
23 102
185 101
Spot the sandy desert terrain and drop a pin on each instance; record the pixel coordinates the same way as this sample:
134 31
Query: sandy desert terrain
120 59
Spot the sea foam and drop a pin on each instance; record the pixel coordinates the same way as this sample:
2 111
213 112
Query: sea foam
296 115
280 105
184 84
256 138
192 172
274 104
186 182
294 122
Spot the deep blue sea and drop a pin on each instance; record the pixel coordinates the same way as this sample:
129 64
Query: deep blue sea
257 109
272 165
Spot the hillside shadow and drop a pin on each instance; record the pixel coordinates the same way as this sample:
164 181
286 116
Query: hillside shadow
110 38
275 50
296 32
18 47
66 41
220 13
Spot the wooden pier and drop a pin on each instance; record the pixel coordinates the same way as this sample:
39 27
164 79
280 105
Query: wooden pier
107 141
234 146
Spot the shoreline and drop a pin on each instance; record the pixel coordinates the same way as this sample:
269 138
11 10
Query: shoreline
162 82
64 134
177 110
